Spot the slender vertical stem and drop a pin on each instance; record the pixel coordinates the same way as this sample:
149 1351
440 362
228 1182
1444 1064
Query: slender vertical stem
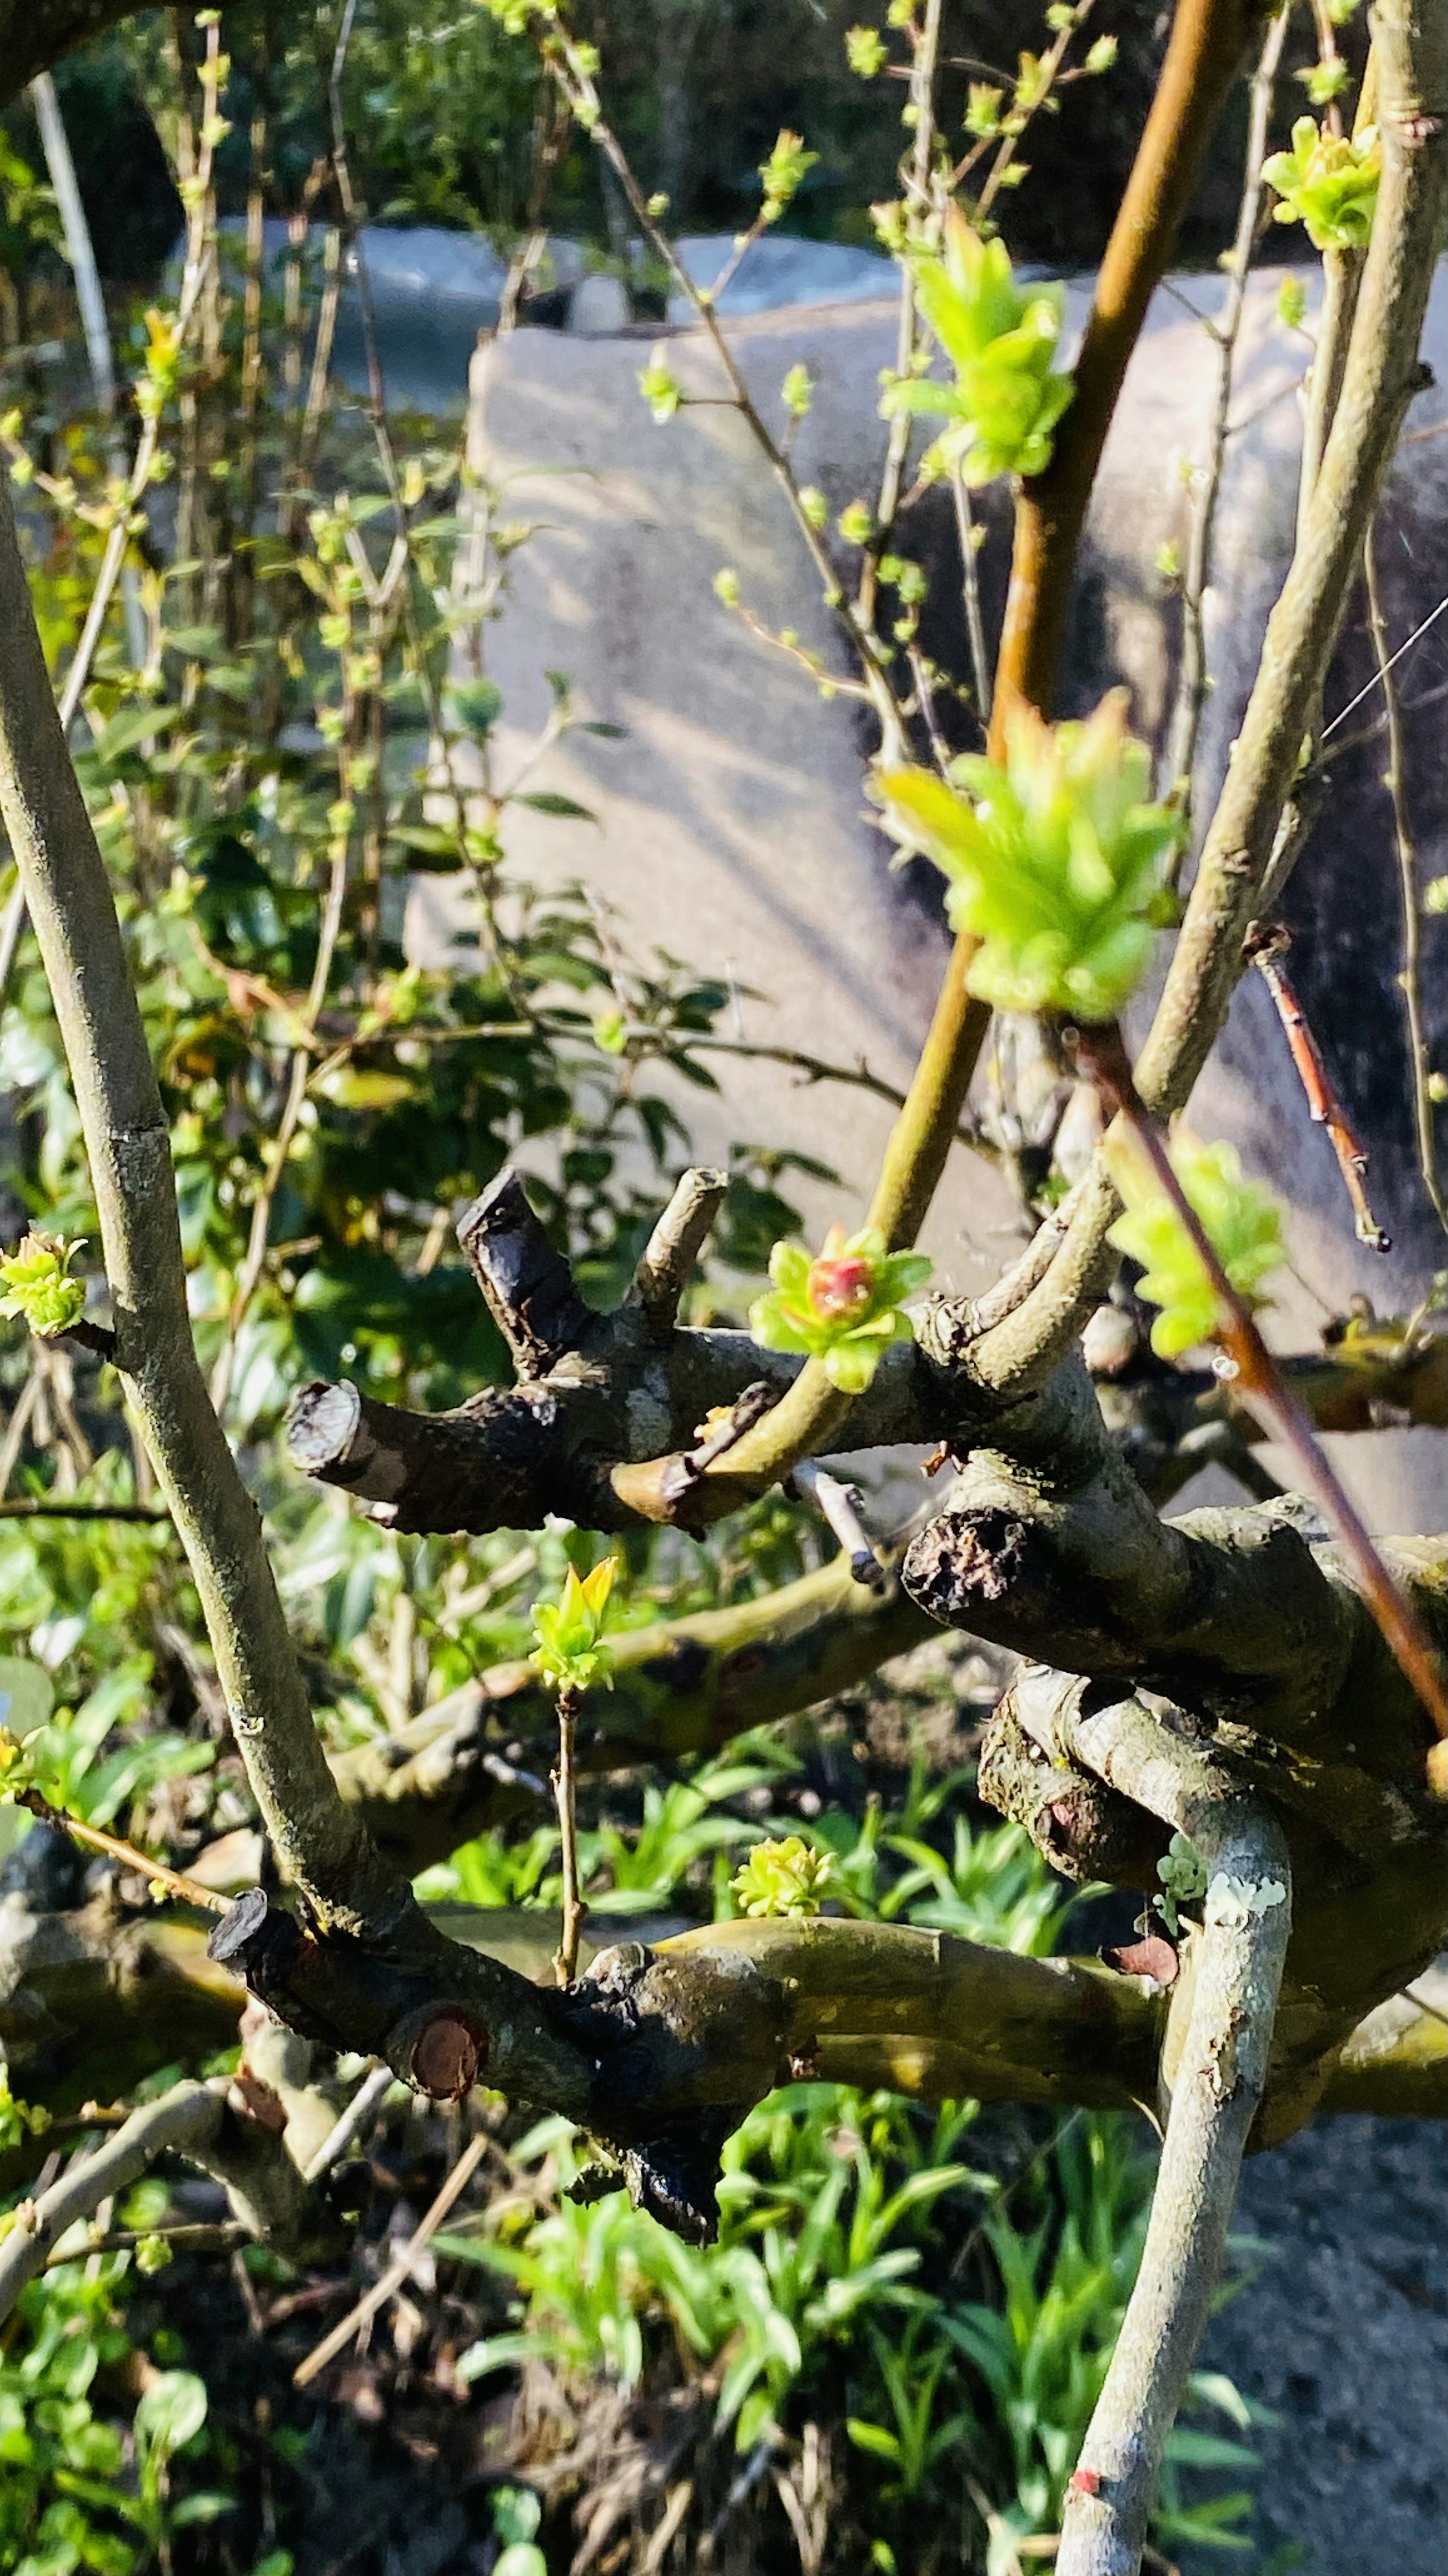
1237 1959
1323 1105
1341 277
1206 46
249 1275
970 593
1410 979
922 102
1192 683
565 1791
80 251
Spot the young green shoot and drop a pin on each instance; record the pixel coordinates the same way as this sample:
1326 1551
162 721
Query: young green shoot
570 1652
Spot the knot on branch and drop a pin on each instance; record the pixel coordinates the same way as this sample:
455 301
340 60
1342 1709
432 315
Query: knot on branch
1083 1828
685 2044
342 1992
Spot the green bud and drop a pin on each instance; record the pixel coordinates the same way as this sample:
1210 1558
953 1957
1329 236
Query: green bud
797 391
783 172
1324 82
726 586
1239 1218
152 2254
38 1286
1000 339
569 1651
864 52
780 1878
814 505
1054 859
842 1307
659 387
856 525
983 111
1102 55
1329 182
1291 303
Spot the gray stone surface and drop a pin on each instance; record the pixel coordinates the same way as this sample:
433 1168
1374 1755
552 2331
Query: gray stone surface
1343 2333
779 270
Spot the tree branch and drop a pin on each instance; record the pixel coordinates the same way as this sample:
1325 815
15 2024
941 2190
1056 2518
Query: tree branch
187 2117
1208 44
318 1840
1235 1971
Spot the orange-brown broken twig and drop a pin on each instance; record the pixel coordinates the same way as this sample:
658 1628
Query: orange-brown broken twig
1267 947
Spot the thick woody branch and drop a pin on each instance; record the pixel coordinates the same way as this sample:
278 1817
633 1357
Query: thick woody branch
641 1420
319 1841
186 2117
197 2121
1218 2081
1208 44
527 1284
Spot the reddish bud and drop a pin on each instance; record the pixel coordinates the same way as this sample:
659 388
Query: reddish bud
1086 2481
840 1291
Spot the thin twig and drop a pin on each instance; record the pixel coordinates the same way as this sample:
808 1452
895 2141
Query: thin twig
970 594
839 1507
1257 1379
1192 683
1268 948
916 177
369 2097
196 2236
249 1276
397 2271
155 1872
48 1511
1380 675
1410 978
565 1794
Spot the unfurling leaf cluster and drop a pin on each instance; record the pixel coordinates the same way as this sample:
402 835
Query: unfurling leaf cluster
781 1878
1054 859
570 1651
38 1284
1000 339
842 1307
1239 1218
1329 182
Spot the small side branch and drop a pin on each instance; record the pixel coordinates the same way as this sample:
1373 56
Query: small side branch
186 2117
1267 948
1237 1962
527 1284
673 1248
